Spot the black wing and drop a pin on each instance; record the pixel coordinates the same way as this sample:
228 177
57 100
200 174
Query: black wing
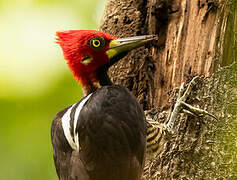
112 135
112 138
67 162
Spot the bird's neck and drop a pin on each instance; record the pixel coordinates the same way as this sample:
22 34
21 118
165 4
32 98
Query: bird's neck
98 79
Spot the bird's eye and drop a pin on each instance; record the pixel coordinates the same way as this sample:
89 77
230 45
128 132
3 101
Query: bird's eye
97 43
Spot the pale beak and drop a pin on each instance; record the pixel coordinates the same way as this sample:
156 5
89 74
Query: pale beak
118 48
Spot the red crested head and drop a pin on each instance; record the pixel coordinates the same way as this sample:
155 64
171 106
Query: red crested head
85 52
89 53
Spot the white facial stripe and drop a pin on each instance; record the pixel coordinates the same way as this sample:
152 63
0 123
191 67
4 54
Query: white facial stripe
66 123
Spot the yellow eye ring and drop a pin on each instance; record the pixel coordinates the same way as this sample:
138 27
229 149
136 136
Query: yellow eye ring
96 43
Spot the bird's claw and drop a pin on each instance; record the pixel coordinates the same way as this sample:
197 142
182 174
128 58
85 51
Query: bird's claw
195 111
182 106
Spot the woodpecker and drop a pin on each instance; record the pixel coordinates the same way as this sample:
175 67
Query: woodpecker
103 136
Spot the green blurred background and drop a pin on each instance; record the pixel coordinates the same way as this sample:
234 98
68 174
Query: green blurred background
35 82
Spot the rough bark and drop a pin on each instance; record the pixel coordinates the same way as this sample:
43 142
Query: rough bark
196 37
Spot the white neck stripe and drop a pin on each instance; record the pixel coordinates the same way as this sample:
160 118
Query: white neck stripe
66 123
66 127
76 117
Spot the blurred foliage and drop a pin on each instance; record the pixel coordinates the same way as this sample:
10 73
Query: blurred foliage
25 145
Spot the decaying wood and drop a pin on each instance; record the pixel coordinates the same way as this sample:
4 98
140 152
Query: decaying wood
191 36
196 37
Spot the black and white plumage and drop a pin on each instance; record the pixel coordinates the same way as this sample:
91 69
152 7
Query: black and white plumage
103 137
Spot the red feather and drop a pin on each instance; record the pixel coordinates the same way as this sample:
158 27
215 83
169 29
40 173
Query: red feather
75 46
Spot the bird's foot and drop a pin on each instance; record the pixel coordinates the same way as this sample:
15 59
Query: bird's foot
182 106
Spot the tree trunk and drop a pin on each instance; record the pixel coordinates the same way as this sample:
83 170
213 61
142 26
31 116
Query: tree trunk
196 37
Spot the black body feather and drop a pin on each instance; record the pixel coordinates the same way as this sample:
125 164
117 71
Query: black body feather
112 138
